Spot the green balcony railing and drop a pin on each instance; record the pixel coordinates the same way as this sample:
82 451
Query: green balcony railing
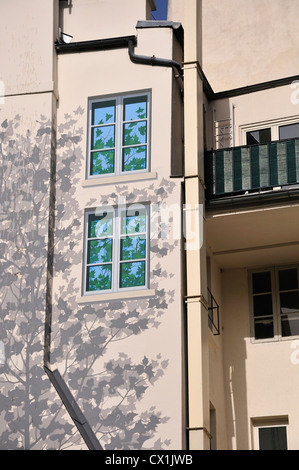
251 168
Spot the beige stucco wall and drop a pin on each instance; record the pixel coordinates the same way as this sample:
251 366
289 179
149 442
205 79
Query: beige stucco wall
175 11
26 121
27 36
249 42
216 374
245 42
95 19
78 80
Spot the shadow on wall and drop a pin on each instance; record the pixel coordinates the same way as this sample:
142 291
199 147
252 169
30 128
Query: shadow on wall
234 288
109 391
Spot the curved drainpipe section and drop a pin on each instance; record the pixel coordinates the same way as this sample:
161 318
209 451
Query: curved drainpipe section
154 61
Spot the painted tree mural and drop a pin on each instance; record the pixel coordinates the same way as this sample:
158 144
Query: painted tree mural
108 390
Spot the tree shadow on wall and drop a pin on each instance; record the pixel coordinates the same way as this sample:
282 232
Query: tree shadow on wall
108 390
24 195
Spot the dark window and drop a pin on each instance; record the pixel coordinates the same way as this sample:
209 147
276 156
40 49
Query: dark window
262 136
273 438
261 282
275 303
262 305
290 131
289 302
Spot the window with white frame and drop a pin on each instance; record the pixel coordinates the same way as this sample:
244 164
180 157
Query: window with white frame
270 433
118 141
116 249
275 303
270 131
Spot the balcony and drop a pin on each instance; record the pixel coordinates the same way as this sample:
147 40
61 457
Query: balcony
251 169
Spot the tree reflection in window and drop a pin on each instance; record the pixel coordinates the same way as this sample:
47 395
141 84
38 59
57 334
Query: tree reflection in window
116 249
103 137
133 249
134 134
119 135
99 252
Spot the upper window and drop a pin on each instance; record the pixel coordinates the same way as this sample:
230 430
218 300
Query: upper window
291 131
118 135
265 136
275 303
270 131
261 136
116 249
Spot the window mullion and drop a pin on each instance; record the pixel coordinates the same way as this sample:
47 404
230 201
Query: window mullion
276 304
119 132
89 142
85 253
115 260
147 248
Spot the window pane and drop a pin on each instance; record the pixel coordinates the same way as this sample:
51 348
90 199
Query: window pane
103 113
102 162
99 277
134 158
135 108
263 328
133 222
288 279
135 133
289 307
133 248
290 131
273 438
262 136
290 325
289 302
102 137
100 226
261 282
99 251
132 274
262 305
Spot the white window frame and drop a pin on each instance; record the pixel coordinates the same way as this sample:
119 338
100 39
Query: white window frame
119 99
116 261
273 124
267 422
275 303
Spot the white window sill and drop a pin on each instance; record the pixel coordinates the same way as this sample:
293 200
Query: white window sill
118 179
136 294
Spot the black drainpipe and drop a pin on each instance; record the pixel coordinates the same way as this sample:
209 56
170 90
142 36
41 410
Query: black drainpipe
117 43
95 45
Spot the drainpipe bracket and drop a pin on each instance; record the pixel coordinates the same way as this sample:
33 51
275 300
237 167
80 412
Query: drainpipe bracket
197 298
200 429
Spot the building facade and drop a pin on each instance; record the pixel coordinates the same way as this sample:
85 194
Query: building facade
149 226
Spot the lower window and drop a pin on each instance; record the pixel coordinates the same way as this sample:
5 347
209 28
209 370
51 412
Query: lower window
116 249
275 303
270 433
273 438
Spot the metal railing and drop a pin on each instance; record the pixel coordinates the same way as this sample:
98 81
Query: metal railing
214 323
251 168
